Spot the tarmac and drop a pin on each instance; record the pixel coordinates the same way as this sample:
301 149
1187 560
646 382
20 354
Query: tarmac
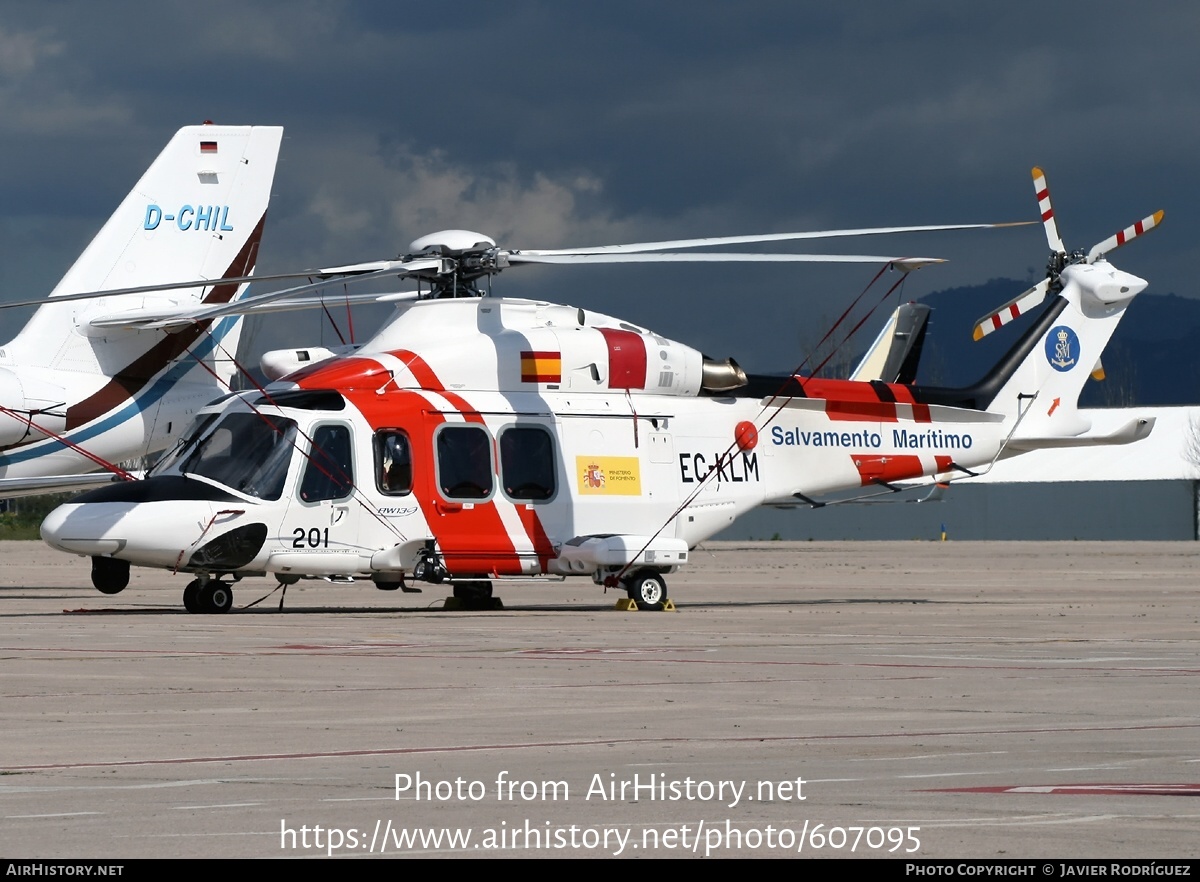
895 700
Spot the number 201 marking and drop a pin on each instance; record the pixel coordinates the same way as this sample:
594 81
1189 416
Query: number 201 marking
314 538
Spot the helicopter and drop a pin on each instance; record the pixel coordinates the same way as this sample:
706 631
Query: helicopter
474 439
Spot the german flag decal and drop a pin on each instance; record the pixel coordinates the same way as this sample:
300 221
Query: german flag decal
541 367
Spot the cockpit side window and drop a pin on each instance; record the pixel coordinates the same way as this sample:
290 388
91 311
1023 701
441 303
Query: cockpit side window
187 440
393 462
527 463
245 451
329 472
464 461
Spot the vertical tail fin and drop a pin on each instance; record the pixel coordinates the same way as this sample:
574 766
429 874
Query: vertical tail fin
1041 377
896 352
197 213
1045 386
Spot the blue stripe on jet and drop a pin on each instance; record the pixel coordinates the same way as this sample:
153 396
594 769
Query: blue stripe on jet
137 404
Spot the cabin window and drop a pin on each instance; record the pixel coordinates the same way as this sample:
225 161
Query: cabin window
393 462
328 472
464 461
527 463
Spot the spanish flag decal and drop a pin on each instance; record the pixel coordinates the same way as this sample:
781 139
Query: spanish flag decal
541 367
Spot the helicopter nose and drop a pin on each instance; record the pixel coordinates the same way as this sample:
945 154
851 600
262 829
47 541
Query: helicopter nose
52 526
161 533
83 529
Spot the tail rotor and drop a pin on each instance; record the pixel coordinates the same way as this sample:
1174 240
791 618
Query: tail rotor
1059 260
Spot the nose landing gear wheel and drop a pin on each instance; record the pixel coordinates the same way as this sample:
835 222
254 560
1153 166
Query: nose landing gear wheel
109 575
647 589
209 597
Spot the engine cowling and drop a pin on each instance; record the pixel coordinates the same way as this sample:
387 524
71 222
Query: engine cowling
278 363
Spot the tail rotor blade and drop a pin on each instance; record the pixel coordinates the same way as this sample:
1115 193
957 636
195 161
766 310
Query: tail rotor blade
1019 305
1145 225
1042 190
1060 259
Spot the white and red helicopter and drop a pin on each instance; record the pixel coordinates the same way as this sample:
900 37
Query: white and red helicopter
476 439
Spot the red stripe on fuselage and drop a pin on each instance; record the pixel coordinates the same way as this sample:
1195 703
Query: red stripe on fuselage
856 401
894 467
421 371
347 372
840 390
473 540
861 411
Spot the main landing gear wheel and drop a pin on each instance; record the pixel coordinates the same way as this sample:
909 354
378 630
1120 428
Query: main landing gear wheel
475 595
647 589
473 591
207 597
109 575
191 596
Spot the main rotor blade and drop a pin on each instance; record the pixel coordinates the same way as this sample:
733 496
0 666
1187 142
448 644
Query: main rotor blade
636 247
358 268
1019 305
1128 234
723 257
250 303
1042 190
340 298
205 283
255 303
184 316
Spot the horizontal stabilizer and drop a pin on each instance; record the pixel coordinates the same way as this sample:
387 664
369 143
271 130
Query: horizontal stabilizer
1134 430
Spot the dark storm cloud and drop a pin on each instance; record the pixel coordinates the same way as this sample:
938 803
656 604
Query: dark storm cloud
548 124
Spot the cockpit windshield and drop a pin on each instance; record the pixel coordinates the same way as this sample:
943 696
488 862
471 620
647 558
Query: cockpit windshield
247 452
186 442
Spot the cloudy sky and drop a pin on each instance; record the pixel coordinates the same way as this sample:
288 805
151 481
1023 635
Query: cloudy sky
552 124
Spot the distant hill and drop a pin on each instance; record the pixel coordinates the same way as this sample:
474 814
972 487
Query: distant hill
1152 360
